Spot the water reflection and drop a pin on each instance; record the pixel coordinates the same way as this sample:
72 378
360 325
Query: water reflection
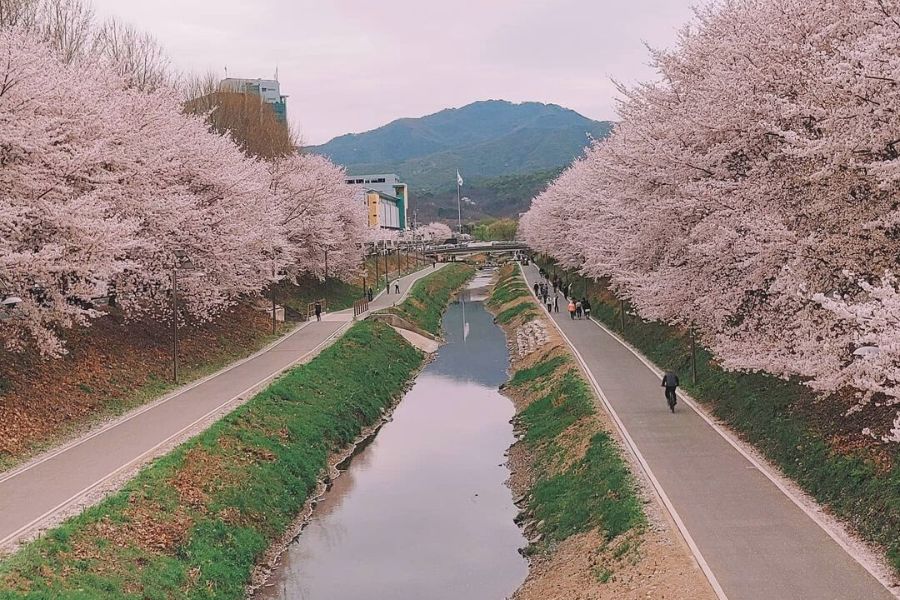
423 513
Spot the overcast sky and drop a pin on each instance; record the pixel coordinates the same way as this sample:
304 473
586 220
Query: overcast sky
354 65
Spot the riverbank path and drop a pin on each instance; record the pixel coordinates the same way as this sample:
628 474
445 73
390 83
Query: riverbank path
751 539
62 482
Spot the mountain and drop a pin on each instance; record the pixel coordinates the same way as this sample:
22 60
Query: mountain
504 196
488 141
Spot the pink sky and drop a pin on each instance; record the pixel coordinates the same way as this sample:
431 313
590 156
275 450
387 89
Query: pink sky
354 65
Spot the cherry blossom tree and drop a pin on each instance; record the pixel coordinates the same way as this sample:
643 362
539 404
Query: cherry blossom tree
196 195
108 186
739 190
60 234
434 232
318 214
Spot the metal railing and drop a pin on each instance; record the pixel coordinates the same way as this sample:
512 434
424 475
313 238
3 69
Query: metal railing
360 306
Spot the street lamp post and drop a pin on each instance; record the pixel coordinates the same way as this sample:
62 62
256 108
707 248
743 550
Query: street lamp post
181 262
275 252
693 357
274 318
175 323
377 268
387 278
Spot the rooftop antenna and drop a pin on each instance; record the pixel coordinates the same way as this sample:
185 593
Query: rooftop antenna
226 71
276 73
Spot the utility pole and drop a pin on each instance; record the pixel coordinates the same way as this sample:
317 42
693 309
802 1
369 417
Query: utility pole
175 323
693 357
183 261
274 320
387 277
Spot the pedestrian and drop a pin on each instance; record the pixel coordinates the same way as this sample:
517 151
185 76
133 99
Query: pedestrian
670 382
586 307
434 264
396 287
318 311
578 308
536 288
571 310
370 294
549 305
556 303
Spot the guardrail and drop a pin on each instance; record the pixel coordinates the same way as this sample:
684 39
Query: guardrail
473 247
360 306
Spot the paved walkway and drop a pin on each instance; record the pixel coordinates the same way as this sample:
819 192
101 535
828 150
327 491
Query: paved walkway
757 543
44 491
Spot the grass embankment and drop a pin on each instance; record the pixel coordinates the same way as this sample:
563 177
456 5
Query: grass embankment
194 523
511 292
429 296
580 482
809 438
111 367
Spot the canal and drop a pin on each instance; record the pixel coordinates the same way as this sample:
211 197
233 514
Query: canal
422 511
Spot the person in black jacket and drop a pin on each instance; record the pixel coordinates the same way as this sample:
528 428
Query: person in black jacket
670 382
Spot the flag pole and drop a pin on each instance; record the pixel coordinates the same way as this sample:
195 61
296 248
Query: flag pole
458 208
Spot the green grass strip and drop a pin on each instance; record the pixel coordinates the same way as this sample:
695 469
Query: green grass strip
568 401
525 309
505 292
597 491
540 370
264 460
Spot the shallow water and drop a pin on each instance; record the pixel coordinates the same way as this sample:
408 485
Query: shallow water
422 513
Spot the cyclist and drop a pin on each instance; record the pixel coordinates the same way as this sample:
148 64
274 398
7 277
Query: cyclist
670 382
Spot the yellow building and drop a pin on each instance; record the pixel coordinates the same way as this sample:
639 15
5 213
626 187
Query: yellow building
387 200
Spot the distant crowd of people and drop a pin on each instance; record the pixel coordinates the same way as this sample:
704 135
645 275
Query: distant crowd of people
548 290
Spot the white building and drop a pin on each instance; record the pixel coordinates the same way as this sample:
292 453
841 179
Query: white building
387 199
269 90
